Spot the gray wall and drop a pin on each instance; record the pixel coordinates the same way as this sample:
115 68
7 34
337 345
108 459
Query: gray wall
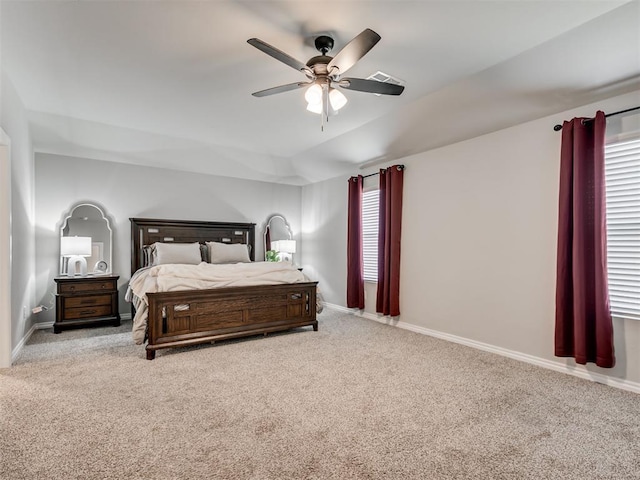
324 220
125 191
479 241
13 120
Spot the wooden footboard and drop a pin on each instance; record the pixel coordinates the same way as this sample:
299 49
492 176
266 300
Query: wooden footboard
200 316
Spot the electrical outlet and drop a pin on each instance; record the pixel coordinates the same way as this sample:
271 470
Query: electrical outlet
25 312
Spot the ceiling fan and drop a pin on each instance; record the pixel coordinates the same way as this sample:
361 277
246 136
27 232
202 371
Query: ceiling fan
324 73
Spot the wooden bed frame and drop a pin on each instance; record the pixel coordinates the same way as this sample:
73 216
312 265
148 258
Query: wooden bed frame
219 313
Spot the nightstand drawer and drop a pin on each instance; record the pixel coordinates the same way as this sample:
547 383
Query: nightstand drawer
87 312
92 286
90 300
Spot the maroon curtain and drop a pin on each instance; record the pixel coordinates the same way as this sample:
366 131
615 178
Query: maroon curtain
355 264
389 231
267 239
583 319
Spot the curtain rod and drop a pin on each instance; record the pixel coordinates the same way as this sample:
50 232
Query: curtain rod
559 127
400 167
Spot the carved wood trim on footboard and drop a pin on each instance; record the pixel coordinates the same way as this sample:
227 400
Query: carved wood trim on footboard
200 316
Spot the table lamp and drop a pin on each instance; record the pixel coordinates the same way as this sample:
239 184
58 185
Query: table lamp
288 247
76 248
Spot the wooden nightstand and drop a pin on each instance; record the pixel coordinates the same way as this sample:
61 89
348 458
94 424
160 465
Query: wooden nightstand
86 301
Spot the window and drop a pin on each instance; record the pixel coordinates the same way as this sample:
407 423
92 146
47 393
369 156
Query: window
622 177
370 234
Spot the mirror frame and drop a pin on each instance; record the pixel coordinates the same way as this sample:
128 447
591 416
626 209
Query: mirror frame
267 228
108 258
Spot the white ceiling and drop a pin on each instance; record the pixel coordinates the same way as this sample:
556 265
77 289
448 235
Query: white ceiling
169 83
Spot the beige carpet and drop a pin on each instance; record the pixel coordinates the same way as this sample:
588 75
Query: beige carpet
355 400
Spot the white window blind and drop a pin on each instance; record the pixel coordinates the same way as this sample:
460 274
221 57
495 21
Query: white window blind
622 176
370 234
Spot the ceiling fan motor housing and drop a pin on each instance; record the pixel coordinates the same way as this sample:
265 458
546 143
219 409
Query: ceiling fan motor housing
319 64
324 44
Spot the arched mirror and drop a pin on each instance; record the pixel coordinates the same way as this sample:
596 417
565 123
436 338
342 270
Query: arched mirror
86 241
278 239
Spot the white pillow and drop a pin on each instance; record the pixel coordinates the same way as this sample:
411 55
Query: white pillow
186 253
228 252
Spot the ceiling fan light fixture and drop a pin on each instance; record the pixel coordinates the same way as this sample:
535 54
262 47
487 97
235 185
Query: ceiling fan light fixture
315 108
313 95
337 99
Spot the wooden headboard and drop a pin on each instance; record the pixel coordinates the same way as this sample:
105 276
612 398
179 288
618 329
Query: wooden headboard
145 231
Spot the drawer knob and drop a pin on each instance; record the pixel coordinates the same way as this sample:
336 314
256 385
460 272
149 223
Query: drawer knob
296 296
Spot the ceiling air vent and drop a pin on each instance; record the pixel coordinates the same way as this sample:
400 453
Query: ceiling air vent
384 78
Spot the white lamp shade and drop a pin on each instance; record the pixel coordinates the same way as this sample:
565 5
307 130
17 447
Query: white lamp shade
314 108
75 246
337 99
275 245
287 246
313 95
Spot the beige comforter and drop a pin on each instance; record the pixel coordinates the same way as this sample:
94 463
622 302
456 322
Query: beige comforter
167 278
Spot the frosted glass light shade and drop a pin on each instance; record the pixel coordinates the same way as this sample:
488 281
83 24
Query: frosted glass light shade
315 108
337 99
72 246
313 95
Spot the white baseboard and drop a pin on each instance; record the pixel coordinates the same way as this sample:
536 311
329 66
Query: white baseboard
16 351
340 308
576 371
43 326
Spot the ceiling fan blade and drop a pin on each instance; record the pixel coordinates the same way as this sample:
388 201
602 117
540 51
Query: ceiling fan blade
280 89
354 51
277 54
370 86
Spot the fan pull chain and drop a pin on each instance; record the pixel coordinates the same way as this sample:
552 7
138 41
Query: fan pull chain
326 98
